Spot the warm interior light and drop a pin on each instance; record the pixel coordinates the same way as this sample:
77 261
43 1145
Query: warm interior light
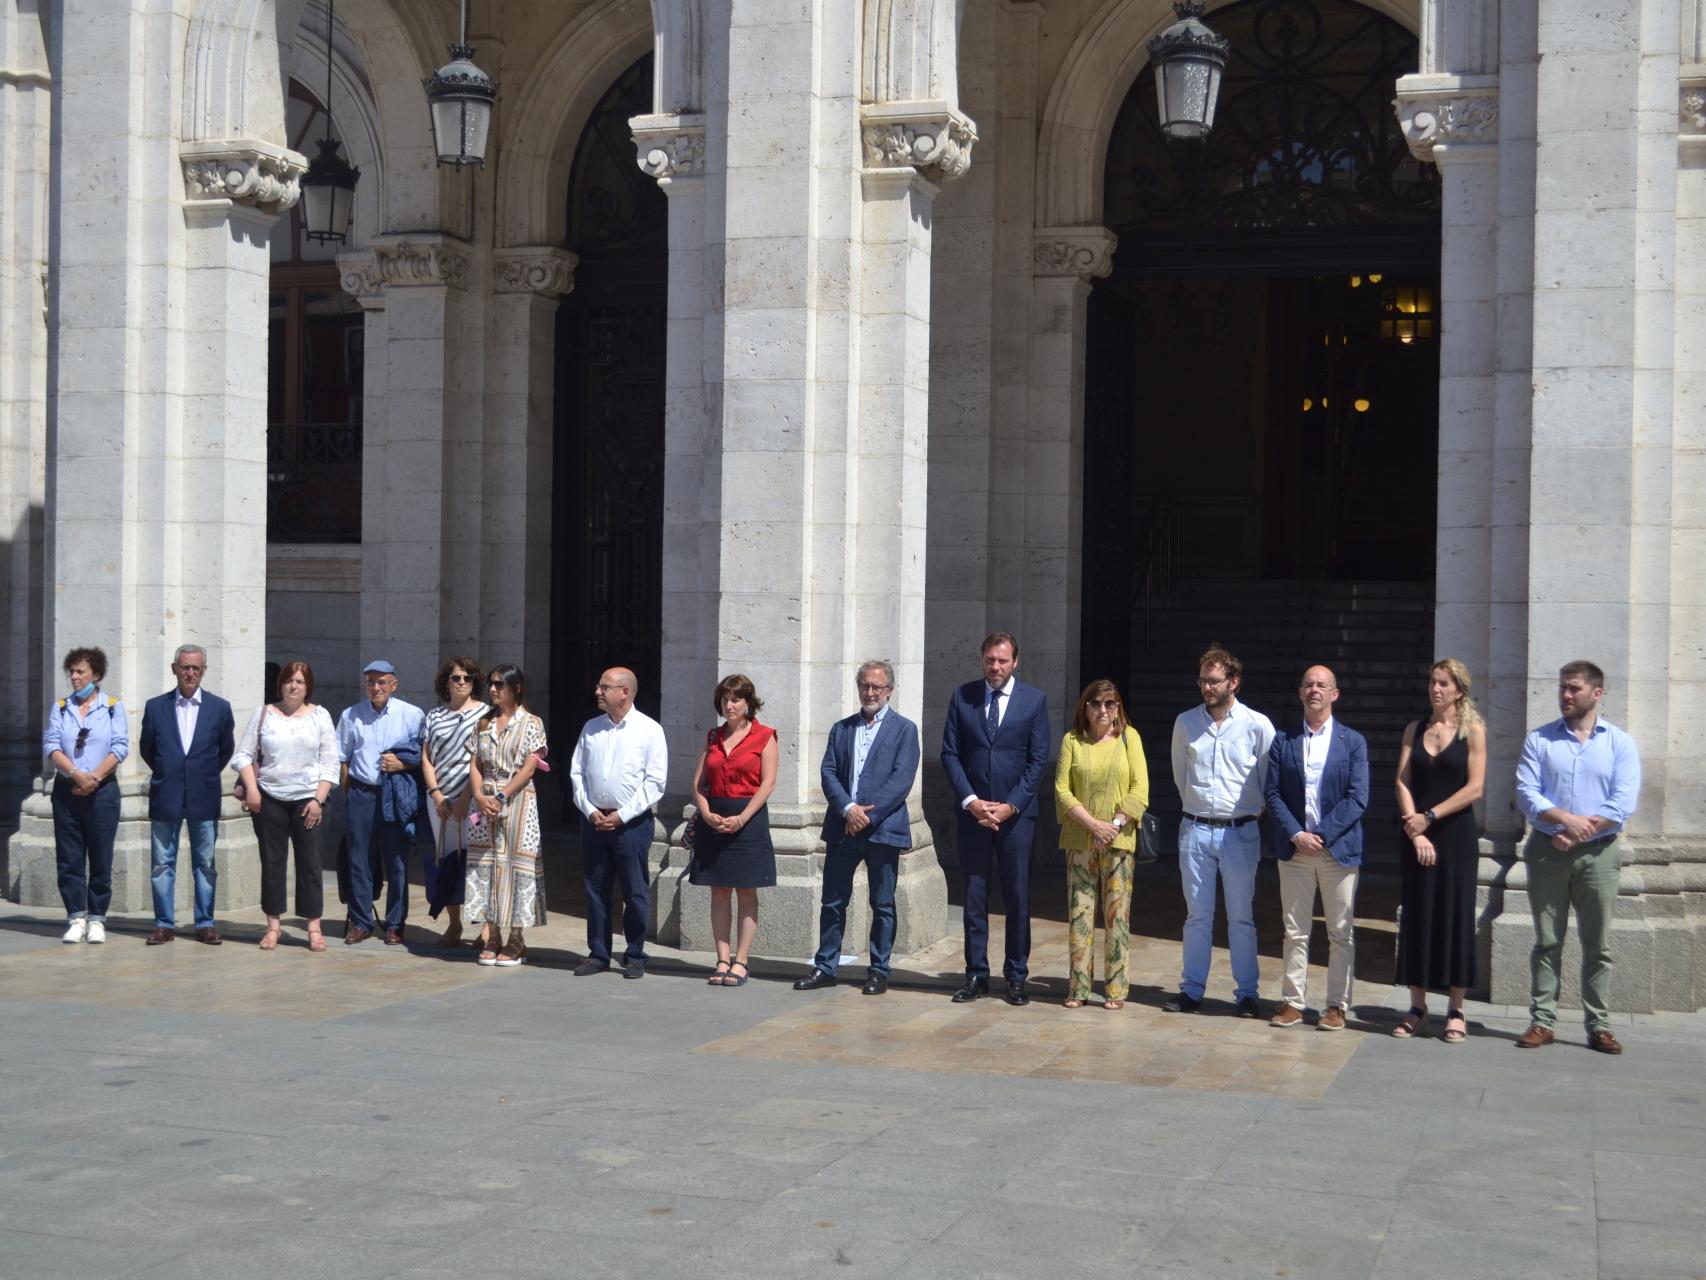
1308 404
1375 279
1361 405
1323 402
1356 282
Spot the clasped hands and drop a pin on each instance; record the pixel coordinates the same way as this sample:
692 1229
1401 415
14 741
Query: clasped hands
83 782
990 813
1577 830
858 818
1308 842
724 825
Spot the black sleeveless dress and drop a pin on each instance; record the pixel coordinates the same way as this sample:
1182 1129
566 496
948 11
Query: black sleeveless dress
1436 931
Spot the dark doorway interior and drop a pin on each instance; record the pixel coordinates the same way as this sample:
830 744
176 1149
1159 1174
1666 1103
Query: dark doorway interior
607 512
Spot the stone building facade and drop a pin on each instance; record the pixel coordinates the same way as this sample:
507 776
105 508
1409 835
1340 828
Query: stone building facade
885 226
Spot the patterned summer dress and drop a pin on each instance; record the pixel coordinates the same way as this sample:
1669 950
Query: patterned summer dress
504 884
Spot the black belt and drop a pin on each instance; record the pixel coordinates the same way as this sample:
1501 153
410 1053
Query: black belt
1221 822
359 785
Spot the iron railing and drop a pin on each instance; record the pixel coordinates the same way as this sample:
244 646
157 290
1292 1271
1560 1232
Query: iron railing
314 482
1157 568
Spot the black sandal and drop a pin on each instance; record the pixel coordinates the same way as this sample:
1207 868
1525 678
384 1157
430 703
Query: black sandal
719 975
732 980
1412 1024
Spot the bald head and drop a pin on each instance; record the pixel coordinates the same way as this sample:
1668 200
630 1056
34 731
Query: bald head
615 692
1318 691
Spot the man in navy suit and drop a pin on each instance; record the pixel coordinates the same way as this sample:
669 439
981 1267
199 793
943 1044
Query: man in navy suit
188 735
995 747
869 766
1317 792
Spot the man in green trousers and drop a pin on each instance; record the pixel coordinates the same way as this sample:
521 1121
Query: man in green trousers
1577 781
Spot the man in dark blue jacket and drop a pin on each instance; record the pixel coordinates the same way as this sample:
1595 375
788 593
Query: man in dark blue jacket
1317 792
188 735
995 746
869 766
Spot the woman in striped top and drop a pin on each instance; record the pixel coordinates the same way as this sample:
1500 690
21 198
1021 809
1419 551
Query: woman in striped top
444 769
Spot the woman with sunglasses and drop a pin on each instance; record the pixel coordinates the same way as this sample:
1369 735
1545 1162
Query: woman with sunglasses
86 738
445 763
1101 789
287 759
505 893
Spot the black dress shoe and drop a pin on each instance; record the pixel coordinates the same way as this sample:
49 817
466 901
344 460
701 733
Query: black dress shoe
974 988
1016 994
1248 1007
1181 1003
816 982
634 969
587 968
876 984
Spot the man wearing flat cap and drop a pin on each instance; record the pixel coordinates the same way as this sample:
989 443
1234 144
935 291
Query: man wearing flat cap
379 742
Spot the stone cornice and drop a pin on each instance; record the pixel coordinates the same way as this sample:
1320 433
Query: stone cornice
1448 111
244 171
538 269
670 147
931 137
1691 106
1086 253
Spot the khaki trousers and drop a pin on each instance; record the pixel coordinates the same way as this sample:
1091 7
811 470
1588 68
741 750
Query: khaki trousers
1300 876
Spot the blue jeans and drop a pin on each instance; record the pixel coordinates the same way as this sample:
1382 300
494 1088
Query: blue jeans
84 828
882 869
1232 854
367 830
606 858
164 876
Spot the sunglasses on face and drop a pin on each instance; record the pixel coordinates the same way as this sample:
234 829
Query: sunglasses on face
459 678
1108 704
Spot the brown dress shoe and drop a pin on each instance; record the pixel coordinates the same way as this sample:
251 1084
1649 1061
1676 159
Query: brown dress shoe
1604 1042
1287 1015
355 933
161 935
1535 1037
393 937
209 936
1332 1019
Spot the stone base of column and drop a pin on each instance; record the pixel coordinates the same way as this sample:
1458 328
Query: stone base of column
1658 936
32 871
788 913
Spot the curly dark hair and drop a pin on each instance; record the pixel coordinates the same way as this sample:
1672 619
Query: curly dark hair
737 686
441 682
96 658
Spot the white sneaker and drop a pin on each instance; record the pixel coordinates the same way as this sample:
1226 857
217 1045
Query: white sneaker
75 931
97 931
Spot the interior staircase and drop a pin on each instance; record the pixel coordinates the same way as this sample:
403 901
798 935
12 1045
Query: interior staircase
1376 636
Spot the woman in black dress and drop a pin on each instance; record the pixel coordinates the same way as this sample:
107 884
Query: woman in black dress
732 853
1442 767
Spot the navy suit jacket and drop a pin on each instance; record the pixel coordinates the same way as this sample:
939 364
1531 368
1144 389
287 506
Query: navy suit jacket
186 787
1344 792
891 766
1008 769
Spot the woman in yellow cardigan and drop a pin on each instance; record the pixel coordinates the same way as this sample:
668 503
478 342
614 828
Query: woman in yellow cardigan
1101 788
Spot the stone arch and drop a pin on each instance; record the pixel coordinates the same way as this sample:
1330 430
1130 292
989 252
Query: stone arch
231 68
678 85
553 107
1078 117
911 51
354 110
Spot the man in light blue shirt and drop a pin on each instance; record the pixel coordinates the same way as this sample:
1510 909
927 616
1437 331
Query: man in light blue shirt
1577 781
379 736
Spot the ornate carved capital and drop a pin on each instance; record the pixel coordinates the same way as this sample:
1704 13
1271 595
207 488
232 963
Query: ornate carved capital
406 261
1451 111
1691 109
670 146
534 269
245 171
358 275
1085 252
932 137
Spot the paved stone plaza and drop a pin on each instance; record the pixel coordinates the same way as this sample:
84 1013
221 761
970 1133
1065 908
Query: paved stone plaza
197 1112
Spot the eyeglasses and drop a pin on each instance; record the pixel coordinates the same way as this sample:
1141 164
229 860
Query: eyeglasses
866 686
1206 683
185 668
457 677
1111 704
608 688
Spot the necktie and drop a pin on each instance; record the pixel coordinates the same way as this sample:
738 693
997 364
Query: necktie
994 713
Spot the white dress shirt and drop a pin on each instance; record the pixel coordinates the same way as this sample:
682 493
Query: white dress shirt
188 709
297 753
620 764
1316 744
1002 697
1220 767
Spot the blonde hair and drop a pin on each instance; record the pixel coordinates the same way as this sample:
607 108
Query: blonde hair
1467 714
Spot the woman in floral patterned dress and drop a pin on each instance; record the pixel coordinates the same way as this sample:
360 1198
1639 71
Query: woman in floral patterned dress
1101 788
505 893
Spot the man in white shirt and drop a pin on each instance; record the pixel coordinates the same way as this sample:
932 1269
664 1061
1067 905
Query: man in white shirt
1220 761
620 767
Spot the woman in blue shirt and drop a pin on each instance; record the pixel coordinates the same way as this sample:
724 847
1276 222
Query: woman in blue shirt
87 736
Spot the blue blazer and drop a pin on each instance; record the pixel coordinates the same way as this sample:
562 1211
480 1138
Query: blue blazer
891 765
186 787
1007 769
1344 792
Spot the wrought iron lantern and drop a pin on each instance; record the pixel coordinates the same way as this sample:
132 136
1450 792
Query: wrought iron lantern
328 188
460 97
1189 59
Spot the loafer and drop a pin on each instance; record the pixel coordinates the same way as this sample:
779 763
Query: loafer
161 935
209 935
1249 1007
393 937
1603 1041
1016 994
876 984
974 988
1332 1019
1287 1015
586 968
355 933
817 980
634 969
1535 1037
1181 1003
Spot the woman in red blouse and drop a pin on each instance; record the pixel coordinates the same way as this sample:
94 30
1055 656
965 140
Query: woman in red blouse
732 852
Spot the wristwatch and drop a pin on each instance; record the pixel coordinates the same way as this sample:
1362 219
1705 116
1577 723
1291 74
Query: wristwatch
1430 816
1119 821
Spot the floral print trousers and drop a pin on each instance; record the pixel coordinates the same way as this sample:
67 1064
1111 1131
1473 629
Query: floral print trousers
1087 872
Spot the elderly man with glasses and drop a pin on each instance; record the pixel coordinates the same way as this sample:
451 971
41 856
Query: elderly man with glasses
380 739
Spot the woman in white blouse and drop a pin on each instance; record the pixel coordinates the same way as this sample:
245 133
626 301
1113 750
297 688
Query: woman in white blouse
288 761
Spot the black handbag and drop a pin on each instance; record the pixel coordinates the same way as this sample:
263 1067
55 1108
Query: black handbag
1148 837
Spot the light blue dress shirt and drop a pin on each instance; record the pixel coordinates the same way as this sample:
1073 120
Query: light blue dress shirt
1599 778
863 737
108 726
365 734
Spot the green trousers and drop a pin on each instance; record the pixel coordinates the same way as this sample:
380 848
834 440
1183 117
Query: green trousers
1586 879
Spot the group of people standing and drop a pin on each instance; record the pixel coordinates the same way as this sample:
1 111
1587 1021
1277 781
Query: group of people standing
471 764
